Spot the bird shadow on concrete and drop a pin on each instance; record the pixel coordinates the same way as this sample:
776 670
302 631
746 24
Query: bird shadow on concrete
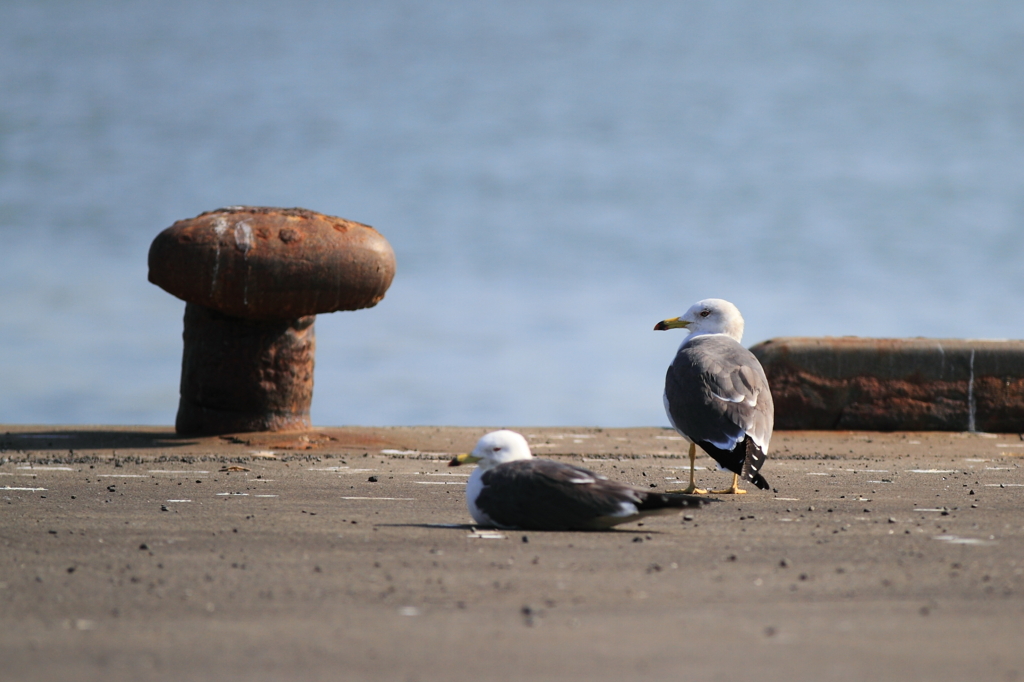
63 439
483 530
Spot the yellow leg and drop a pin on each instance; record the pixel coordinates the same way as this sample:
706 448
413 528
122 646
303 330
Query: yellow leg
691 489
734 489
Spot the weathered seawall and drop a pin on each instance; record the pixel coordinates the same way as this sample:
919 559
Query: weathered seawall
914 384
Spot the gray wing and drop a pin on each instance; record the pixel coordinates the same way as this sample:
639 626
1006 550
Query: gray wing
716 392
546 495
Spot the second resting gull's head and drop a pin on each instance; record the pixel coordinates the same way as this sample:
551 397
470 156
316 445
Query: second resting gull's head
497 447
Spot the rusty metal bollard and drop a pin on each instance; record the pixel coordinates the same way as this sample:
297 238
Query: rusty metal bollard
253 279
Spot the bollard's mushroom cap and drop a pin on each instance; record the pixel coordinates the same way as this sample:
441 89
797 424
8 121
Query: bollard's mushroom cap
269 263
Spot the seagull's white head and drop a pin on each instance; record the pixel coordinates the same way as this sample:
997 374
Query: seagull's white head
710 316
497 447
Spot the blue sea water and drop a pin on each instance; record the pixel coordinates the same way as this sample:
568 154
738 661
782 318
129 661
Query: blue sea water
555 177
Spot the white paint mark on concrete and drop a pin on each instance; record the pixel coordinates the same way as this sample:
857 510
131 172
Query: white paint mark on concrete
486 535
35 468
957 540
178 471
378 498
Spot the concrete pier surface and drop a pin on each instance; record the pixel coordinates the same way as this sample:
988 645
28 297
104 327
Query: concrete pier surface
347 554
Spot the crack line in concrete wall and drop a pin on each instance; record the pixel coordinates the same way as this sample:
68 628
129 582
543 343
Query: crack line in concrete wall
971 407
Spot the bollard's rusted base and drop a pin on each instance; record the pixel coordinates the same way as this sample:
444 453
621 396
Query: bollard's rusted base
244 375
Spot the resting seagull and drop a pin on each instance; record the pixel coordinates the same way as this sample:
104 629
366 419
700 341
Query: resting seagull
716 394
511 489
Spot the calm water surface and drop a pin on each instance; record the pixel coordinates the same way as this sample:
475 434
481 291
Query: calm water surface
554 178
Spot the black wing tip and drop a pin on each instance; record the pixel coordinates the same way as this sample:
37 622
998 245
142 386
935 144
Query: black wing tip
759 480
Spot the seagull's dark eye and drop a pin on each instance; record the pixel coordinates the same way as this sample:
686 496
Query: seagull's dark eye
705 312
496 449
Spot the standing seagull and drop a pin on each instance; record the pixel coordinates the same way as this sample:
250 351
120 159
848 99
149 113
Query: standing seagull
510 489
716 393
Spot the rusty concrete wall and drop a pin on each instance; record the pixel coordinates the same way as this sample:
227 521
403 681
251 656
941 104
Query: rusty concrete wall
895 384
